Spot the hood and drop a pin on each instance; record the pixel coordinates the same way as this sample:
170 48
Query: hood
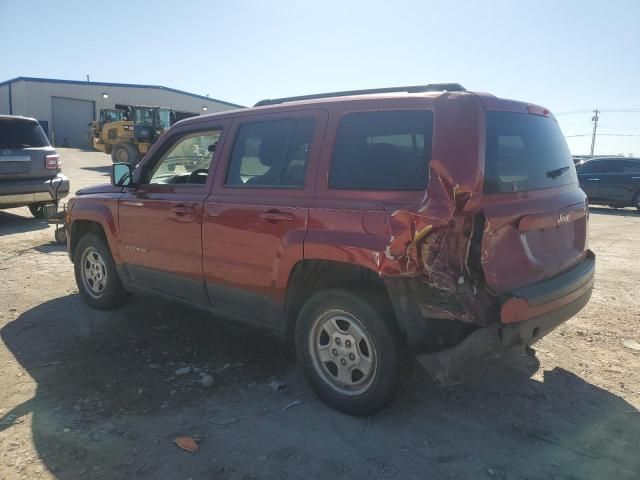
102 188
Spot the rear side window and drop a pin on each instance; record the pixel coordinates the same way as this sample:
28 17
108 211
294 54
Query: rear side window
271 154
16 133
525 152
382 151
591 167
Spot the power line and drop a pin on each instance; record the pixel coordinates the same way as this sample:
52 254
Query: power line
605 135
607 110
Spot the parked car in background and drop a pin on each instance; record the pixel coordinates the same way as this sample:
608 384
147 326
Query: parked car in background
613 181
361 225
30 168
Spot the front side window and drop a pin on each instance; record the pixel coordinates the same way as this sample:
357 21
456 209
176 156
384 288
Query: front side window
271 154
187 161
382 151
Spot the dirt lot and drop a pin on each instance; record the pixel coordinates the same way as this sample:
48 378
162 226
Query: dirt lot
94 395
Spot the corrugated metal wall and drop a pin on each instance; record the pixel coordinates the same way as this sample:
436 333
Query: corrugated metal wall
33 99
4 99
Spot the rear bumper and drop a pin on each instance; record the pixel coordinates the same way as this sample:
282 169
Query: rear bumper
527 316
20 192
542 297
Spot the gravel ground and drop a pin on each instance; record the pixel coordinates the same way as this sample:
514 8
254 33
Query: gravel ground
95 395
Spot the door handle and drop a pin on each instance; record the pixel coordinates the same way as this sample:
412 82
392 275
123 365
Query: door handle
133 204
635 178
183 210
594 179
276 216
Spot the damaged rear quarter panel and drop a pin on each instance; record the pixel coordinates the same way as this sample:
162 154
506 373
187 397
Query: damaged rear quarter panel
433 242
423 247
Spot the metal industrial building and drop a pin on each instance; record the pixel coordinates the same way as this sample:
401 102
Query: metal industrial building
65 108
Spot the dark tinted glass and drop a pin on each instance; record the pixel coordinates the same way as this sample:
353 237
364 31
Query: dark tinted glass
525 152
382 151
16 133
271 154
631 166
612 166
590 167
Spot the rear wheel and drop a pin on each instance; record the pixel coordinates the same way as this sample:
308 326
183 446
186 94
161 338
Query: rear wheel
37 210
350 354
96 276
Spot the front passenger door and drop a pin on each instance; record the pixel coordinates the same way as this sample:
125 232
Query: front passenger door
160 218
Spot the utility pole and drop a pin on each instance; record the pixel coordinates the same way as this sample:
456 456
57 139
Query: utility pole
594 119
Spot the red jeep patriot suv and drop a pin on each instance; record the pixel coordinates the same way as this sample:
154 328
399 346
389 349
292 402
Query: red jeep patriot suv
361 224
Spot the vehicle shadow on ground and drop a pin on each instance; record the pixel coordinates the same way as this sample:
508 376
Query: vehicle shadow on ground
51 247
105 169
618 212
109 403
11 223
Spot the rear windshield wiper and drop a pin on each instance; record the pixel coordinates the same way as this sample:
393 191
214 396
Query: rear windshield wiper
557 172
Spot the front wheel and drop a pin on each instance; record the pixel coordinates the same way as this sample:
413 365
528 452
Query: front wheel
125 153
349 351
96 276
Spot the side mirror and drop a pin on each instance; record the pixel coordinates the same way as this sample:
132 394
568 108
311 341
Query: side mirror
121 174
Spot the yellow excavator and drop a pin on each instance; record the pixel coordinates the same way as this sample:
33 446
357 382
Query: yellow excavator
128 135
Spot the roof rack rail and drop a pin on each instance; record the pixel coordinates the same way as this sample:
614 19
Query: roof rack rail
432 87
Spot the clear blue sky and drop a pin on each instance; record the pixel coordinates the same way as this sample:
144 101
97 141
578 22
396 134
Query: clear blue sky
565 55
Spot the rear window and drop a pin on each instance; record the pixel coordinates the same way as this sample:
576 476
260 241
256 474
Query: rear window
16 133
525 152
382 151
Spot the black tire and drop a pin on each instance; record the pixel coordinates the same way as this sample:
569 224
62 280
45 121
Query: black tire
60 235
37 210
112 294
377 319
126 153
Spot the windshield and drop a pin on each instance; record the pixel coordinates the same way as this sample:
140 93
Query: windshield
18 133
144 116
525 152
107 116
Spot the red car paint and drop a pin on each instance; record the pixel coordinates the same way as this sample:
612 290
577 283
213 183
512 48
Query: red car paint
452 241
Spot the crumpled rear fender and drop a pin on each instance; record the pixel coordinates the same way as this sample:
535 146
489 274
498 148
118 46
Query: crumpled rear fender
432 264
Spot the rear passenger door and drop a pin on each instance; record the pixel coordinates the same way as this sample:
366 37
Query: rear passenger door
255 221
589 176
610 182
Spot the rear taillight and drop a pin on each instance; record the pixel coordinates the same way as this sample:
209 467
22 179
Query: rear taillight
52 162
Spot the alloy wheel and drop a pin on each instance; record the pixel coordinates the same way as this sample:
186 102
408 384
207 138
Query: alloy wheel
94 272
343 352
